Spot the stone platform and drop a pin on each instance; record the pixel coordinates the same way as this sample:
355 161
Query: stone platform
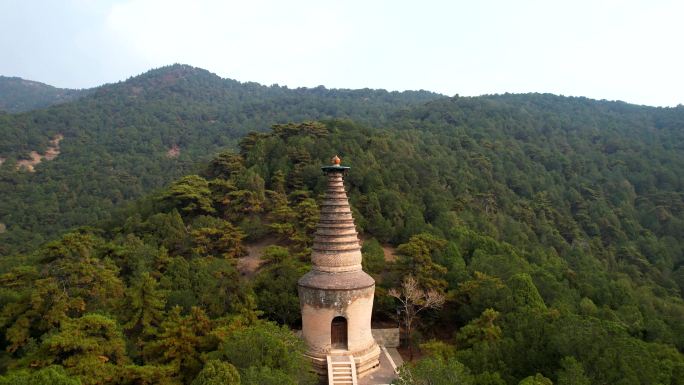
390 361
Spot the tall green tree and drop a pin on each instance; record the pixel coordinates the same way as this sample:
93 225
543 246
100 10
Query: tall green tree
267 350
191 194
145 303
91 347
216 372
415 257
571 373
180 342
275 286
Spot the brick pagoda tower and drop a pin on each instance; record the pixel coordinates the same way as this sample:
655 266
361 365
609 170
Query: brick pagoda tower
336 296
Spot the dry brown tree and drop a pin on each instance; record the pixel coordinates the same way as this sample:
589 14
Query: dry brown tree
413 300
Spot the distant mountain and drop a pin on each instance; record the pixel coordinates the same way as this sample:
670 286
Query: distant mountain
19 95
122 140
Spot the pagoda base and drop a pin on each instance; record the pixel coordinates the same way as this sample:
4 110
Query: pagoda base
366 361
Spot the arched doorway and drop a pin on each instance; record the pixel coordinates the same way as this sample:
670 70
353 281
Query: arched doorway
338 333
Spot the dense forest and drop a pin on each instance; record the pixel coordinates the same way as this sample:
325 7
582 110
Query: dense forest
19 95
126 139
552 225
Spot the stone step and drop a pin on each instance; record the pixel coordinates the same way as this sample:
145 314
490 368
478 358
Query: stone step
341 370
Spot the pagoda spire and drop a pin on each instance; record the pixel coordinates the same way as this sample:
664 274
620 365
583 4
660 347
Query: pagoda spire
336 245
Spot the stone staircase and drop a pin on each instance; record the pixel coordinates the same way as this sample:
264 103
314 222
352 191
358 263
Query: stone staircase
341 370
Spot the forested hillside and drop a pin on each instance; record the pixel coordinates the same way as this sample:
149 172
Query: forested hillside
552 225
19 95
126 139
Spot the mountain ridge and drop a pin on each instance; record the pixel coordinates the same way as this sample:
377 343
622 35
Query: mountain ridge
20 95
179 68
160 75
119 135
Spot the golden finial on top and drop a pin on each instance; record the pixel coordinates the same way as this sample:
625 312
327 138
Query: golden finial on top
336 160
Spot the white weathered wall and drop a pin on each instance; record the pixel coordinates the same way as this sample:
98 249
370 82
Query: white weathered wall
316 325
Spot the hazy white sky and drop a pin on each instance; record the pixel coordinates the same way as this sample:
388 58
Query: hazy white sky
603 49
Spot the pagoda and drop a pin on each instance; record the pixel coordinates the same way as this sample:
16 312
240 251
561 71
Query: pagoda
336 296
